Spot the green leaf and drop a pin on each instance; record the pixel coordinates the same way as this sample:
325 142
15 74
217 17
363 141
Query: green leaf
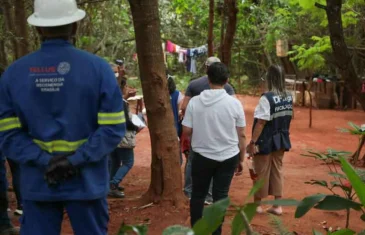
237 225
258 185
355 180
212 217
282 202
354 126
177 230
335 203
308 203
322 183
362 217
315 232
338 175
343 232
138 230
202 227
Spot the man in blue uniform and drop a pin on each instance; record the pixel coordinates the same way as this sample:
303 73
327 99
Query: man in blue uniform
61 114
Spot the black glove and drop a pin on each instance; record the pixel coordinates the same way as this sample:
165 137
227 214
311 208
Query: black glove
59 169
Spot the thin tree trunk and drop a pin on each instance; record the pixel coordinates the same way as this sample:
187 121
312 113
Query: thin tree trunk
21 27
340 50
3 59
211 28
3 56
223 23
10 26
166 179
230 31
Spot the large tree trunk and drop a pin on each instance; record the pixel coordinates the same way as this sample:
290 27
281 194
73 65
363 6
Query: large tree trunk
230 31
211 28
3 56
166 179
10 26
340 51
222 11
21 27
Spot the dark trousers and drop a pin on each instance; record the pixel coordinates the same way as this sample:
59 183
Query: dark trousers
204 170
15 173
4 218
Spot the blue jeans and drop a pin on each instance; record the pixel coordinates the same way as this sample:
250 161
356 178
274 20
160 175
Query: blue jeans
15 173
121 161
188 188
4 218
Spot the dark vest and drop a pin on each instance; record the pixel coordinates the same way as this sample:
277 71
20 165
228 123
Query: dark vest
275 135
175 109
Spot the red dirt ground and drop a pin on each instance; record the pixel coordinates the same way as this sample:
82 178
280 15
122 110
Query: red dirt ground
297 170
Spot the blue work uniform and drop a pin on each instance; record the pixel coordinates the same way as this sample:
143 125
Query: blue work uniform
61 100
275 135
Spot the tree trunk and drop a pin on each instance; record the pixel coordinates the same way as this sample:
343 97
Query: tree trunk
21 27
166 179
3 56
230 31
308 89
340 50
3 59
10 26
222 10
211 28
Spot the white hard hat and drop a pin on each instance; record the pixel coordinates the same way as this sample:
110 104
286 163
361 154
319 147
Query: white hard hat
52 13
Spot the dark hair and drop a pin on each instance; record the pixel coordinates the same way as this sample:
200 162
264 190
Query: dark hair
275 79
171 85
64 31
129 124
218 73
123 82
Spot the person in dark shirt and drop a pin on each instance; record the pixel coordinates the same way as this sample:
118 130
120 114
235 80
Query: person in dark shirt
196 87
199 85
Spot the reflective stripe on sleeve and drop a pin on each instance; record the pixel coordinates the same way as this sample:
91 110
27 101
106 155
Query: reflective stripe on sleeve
9 123
59 145
111 118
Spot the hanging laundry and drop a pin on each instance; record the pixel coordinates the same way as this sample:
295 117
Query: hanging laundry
199 51
181 57
170 47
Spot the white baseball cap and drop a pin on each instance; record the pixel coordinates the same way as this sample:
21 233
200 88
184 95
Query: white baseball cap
212 60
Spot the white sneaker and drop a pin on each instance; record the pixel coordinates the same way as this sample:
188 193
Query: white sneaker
275 210
259 210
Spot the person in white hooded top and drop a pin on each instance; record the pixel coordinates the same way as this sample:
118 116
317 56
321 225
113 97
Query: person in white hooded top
216 123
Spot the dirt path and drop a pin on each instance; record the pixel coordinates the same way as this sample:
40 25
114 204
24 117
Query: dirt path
297 170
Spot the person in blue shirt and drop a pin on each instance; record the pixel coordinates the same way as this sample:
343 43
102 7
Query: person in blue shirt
61 114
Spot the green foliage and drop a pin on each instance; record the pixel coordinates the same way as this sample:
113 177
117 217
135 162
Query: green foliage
212 218
177 230
137 230
278 225
312 57
354 130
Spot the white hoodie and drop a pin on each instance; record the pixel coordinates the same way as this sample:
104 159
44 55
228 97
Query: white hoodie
214 116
